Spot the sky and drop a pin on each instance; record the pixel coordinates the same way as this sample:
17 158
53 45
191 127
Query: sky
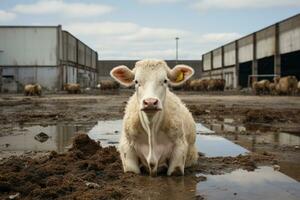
139 29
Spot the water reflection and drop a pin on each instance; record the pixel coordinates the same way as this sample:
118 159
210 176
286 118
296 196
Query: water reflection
23 138
214 146
219 128
107 132
279 138
263 183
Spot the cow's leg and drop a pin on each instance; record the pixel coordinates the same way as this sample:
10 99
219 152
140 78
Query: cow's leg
178 157
129 157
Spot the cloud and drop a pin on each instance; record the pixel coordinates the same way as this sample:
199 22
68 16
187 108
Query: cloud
126 30
126 40
145 33
71 10
102 28
158 1
6 16
204 5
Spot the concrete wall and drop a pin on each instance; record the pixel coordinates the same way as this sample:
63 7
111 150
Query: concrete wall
265 42
81 53
229 74
28 46
207 62
88 56
14 78
104 66
94 59
69 47
217 58
229 54
86 78
245 46
289 35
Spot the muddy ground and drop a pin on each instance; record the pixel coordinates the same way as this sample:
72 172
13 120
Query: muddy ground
89 171
252 116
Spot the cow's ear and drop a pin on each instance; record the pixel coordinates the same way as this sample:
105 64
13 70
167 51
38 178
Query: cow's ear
179 74
123 75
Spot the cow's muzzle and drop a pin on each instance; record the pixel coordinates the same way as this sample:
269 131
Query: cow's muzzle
150 105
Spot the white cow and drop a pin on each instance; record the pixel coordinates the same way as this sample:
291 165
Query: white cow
158 130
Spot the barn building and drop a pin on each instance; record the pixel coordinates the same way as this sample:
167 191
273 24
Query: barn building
46 55
272 51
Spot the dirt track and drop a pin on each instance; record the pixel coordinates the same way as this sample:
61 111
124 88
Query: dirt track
90 108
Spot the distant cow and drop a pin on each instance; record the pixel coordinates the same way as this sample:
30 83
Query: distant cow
216 85
32 89
72 88
194 84
108 85
158 130
272 88
286 85
261 87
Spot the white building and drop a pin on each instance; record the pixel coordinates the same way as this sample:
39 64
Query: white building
46 55
274 50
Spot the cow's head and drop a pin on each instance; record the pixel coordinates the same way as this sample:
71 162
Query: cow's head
151 79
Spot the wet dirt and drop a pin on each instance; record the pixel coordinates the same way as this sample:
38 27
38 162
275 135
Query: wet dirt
89 171
239 118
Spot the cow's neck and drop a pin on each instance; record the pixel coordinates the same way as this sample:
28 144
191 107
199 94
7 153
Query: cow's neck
151 125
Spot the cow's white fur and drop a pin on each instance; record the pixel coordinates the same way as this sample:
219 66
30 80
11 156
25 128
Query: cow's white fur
166 138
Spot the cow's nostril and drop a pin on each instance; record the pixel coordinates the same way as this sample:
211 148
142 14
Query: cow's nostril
155 102
152 165
145 102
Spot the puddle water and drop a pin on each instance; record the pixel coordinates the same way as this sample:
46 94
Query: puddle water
263 183
219 128
214 146
267 139
23 139
281 139
108 133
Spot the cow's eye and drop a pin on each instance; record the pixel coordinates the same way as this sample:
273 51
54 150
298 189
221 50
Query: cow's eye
165 81
136 82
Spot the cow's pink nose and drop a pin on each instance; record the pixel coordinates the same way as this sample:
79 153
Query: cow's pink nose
150 102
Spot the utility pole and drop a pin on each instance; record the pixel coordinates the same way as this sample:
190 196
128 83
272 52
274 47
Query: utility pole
177 38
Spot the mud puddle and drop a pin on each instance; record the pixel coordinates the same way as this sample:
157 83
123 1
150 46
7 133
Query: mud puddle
24 139
107 133
263 183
